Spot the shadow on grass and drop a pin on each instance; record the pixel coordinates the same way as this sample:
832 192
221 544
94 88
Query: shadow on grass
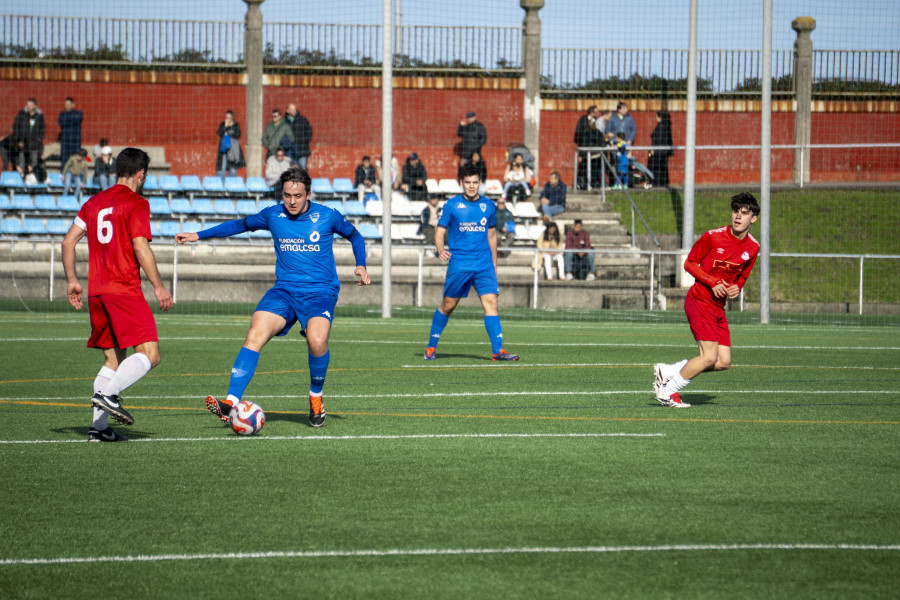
132 434
677 209
300 418
442 356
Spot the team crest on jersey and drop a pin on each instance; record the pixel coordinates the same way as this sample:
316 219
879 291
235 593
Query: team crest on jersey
314 217
745 256
483 208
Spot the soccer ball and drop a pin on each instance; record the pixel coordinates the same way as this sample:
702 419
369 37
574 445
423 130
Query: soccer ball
247 418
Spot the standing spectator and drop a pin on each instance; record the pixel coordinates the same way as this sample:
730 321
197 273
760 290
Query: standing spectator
105 169
276 164
302 132
578 239
429 219
622 122
586 136
516 177
69 131
366 179
506 227
75 172
277 134
414 178
601 124
622 162
553 197
552 244
229 158
473 136
117 226
29 126
658 160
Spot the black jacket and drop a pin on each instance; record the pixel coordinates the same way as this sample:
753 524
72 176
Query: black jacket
362 173
302 131
473 135
33 135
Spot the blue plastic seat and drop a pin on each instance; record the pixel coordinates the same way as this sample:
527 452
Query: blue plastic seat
36 186
159 206
90 184
203 206
55 180
342 185
5 203
354 208
336 205
191 227
44 202
11 226
235 185
35 226
169 228
22 202
322 186
181 206
369 231
57 226
151 184
11 179
169 183
69 203
191 183
246 207
266 204
154 229
224 206
213 184
257 185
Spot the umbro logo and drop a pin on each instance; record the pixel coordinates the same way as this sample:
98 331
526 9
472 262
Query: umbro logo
720 250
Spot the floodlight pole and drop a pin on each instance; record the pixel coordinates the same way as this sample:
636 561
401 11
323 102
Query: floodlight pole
387 142
765 163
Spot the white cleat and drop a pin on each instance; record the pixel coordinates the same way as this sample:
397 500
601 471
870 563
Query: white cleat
673 401
660 378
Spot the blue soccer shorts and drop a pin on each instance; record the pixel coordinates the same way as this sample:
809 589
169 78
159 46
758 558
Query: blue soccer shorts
458 283
297 306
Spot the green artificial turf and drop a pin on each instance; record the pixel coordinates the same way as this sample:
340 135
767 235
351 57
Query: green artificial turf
795 445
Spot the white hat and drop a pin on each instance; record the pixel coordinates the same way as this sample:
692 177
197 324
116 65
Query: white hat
106 150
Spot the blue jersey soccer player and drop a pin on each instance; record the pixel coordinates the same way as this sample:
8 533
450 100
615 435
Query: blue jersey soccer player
306 284
469 223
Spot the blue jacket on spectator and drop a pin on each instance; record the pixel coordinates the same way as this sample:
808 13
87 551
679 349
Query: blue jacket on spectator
555 194
624 124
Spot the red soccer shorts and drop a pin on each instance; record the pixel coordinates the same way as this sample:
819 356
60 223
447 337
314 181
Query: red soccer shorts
119 321
708 323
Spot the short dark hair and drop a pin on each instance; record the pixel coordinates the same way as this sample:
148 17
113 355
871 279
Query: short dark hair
103 142
296 174
468 170
229 112
82 152
69 99
620 105
555 173
590 109
32 100
576 222
366 157
130 161
745 200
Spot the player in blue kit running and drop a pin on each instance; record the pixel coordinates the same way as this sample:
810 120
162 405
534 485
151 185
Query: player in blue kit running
306 285
469 224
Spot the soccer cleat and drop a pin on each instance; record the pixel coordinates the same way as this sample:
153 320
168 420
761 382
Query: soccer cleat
660 378
110 404
504 355
429 353
673 401
316 411
218 408
106 435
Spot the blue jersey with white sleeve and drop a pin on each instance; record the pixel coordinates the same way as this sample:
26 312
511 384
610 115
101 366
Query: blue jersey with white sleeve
303 244
467 223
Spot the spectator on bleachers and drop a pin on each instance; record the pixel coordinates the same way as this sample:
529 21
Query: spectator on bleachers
105 169
98 149
276 164
69 130
505 234
414 178
601 124
552 245
302 131
473 135
621 121
35 175
230 157
21 157
275 133
516 178
366 179
75 172
658 160
553 197
587 135
396 172
29 126
429 219
579 265
7 151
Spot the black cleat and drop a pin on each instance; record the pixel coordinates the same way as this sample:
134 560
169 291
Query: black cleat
110 404
106 435
316 411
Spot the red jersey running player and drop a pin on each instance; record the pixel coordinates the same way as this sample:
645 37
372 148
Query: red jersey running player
117 224
720 263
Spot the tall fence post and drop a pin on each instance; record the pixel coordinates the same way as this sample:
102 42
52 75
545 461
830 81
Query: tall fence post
690 142
765 164
253 53
531 63
802 94
53 266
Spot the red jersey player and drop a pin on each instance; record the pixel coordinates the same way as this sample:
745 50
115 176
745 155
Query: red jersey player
117 224
720 263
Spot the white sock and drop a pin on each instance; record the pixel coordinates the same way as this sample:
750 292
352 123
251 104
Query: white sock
675 383
233 399
677 367
130 371
101 416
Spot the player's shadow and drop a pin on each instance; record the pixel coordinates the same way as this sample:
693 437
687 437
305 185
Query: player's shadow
131 434
299 418
445 355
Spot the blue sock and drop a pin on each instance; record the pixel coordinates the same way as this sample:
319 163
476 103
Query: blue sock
438 322
495 332
242 372
318 367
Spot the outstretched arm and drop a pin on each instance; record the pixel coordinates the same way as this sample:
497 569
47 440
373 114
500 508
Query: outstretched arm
228 228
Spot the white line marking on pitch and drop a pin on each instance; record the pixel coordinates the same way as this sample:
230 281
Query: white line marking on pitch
525 365
360 437
445 552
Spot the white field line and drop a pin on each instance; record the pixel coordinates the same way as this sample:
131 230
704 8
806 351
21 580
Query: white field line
447 552
307 438
525 365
